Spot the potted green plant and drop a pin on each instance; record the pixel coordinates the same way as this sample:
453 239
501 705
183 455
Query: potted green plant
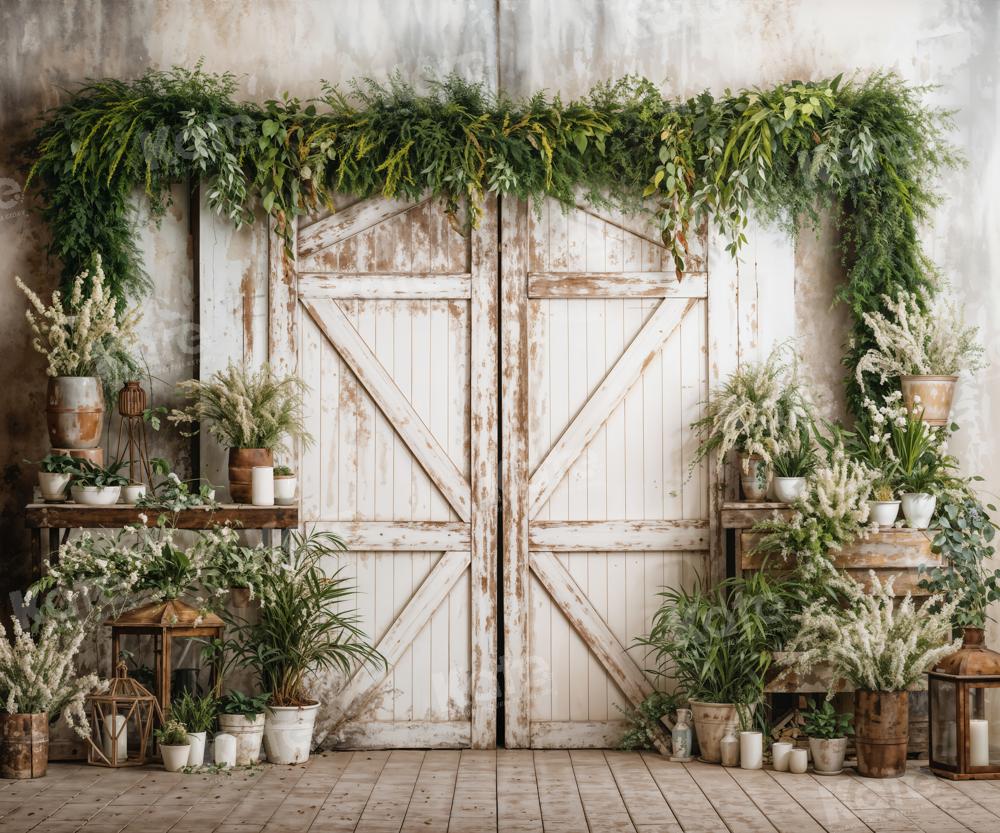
249 412
925 345
883 507
175 745
715 643
285 485
242 716
85 343
753 413
38 683
197 713
54 474
793 464
302 627
95 485
880 647
923 468
827 730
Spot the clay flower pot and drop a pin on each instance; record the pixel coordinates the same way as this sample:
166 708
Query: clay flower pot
932 393
241 465
828 755
754 477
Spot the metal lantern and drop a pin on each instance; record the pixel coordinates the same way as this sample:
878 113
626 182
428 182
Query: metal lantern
121 717
132 443
964 713
165 622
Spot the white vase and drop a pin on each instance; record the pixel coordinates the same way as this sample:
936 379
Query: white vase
262 486
798 761
96 495
285 486
780 753
751 750
918 507
789 489
828 755
196 757
288 733
224 748
132 492
175 758
883 512
248 732
53 485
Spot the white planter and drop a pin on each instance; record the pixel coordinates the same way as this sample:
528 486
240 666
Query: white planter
755 477
918 507
285 486
196 757
249 732
96 495
53 485
828 755
175 758
132 492
789 489
798 761
224 749
883 512
288 733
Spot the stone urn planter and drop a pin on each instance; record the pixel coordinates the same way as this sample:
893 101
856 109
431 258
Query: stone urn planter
241 466
710 723
24 745
881 730
74 411
828 755
933 394
288 733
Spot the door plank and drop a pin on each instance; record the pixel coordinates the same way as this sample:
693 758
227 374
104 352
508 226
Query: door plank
626 371
615 285
386 287
349 221
594 631
397 408
617 536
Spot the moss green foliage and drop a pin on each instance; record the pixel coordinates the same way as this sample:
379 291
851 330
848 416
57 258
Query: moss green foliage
868 149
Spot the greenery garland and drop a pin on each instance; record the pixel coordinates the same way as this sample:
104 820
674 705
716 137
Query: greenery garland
867 149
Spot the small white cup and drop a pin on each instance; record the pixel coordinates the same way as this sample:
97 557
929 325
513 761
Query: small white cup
798 761
779 755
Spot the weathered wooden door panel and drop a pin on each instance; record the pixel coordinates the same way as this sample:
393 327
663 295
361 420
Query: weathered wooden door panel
394 331
604 368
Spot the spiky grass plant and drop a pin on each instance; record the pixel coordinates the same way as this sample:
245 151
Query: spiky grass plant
245 408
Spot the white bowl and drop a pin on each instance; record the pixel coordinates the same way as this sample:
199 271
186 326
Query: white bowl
96 495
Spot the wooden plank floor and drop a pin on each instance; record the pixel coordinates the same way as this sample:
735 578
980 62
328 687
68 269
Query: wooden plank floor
478 791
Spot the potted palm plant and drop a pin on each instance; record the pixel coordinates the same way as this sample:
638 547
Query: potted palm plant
753 413
827 730
249 412
925 345
922 466
715 643
198 716
95 485
302 627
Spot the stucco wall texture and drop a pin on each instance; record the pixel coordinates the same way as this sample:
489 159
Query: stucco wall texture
290 45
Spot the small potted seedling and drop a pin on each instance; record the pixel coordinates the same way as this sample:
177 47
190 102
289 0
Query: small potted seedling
285 484
54 473
198 715
827 730
175 745
793 465
883 506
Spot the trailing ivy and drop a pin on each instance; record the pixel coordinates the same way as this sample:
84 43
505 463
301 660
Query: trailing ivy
866 149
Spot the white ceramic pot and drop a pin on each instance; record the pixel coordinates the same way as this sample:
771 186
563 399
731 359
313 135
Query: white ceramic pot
288 733
883 512
53 485
754 477
249 732
828 755
285 486
196 757
798 761
175 758
918 507
789 489
780 753
96 495
132 492
224 749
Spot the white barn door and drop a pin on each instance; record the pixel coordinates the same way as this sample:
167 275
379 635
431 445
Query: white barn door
605 366
389 316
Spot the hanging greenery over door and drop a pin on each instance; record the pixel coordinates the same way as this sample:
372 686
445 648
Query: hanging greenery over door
867 149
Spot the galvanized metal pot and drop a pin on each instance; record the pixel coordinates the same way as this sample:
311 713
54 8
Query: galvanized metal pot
75 411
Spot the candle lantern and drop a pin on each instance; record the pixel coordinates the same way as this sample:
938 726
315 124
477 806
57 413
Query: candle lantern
964 711
121 722
165 622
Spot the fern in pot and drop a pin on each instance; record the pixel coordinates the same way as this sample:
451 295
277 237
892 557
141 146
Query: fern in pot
302 628
793 464
252 413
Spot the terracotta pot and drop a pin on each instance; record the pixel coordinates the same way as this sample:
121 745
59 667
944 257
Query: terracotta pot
710 723
754 477
95 455
75 411
24 745
828 755
241 463
881 729
935 392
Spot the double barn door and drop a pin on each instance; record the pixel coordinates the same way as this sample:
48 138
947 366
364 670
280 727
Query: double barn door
501 425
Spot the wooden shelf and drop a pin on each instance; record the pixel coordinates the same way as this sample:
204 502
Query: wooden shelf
77 516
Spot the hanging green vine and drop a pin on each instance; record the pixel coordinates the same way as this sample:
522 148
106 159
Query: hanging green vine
868 150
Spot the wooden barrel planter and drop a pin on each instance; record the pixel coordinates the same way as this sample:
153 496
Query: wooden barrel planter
881 731
241 463
24 745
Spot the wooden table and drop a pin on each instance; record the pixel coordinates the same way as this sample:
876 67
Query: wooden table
59 518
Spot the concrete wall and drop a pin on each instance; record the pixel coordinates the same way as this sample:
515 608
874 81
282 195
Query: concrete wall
278 45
